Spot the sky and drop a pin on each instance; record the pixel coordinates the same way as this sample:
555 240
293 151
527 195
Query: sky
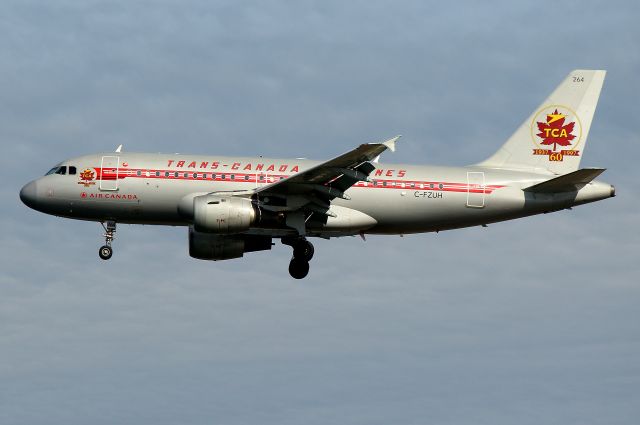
530 321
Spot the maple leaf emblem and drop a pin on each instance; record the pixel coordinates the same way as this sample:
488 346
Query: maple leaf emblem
87 175
554 131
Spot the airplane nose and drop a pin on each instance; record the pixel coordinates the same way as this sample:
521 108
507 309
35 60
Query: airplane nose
29 194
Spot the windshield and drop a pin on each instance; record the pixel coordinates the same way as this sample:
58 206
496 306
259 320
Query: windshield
60 169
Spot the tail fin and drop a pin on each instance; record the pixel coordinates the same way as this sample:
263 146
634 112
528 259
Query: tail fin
553 138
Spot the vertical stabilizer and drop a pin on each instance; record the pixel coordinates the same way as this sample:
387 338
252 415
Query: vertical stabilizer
554 136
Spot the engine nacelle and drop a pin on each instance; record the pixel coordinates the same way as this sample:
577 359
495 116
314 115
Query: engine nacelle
223 215
209 246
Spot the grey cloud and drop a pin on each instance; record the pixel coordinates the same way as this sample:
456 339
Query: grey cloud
524 322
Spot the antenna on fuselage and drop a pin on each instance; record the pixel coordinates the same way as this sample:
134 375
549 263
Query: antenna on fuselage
119 149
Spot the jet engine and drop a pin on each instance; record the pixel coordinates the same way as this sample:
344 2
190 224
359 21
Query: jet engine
222 215
209 246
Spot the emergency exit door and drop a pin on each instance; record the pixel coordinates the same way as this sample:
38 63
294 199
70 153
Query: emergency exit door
475 189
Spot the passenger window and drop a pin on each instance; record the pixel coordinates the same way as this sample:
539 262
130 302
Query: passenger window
233 176
175 174
138 173
157 173
246 177
72 170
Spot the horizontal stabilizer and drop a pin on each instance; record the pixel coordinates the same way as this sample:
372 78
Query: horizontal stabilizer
567 182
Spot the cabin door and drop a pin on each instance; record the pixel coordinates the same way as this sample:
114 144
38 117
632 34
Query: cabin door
109 168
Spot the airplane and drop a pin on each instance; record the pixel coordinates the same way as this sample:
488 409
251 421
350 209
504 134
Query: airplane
238 205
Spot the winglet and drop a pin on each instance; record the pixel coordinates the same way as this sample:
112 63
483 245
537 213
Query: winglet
119 149
391 143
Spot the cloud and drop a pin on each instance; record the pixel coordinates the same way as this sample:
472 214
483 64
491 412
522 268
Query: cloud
528 321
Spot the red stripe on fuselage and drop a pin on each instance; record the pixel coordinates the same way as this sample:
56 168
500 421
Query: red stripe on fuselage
113 174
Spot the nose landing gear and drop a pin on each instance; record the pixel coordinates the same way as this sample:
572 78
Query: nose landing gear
105 252
302 254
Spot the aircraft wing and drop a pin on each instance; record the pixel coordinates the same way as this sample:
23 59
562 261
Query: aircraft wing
319 185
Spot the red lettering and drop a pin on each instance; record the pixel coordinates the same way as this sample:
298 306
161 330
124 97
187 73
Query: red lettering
542 152
402 173
378 172
170 162
247 167
294 169
192 164
271 168
259 167
214 165
283 168
180 164
389 173
235 165
570 153
204 164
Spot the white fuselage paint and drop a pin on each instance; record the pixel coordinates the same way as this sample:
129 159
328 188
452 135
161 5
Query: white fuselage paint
147 189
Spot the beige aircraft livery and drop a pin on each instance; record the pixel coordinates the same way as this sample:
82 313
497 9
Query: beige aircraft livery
233 206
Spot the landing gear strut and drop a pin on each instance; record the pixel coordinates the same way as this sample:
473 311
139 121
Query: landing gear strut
106 251
302 254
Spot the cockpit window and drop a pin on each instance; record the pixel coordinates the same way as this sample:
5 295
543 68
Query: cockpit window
61 169
72 170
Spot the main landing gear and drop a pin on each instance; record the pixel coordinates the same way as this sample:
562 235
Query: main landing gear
106 251
302 254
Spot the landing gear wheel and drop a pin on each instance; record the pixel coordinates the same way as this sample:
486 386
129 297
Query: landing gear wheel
105 252
298 268
303 250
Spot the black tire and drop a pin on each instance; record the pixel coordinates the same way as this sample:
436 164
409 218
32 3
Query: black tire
105 252
298 268
304 251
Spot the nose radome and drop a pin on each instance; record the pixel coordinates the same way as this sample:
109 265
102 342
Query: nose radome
29 194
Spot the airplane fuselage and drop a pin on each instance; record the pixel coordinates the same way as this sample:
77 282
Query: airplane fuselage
148 188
